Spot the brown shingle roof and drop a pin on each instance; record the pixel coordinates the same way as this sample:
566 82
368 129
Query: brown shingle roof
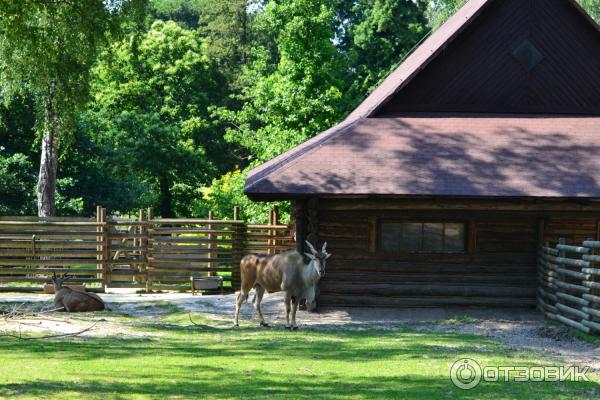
445 155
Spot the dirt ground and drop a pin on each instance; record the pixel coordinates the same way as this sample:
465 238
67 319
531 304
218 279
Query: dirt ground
522 329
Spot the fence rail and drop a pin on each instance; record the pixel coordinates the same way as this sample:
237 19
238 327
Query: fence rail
569 287
144 253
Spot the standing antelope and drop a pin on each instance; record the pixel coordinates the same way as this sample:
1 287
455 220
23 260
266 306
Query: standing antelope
288 272
72 300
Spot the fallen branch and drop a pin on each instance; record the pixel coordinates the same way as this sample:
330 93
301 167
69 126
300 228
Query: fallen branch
14 313
192 321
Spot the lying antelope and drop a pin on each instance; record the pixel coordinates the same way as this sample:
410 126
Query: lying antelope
72 300
288 272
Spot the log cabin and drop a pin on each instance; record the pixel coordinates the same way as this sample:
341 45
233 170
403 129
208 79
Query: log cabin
440 187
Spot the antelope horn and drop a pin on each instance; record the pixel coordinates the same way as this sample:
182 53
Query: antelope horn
310 247
324 247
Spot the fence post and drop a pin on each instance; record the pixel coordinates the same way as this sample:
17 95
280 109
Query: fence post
106 266
142 247
271 233
149 218
593 308
211 238
99 250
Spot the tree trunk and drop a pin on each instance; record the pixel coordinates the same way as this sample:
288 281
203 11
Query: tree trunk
46 187
166 199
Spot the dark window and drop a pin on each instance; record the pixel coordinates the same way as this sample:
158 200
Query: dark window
431 237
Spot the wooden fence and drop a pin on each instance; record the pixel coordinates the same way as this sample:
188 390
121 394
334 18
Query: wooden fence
569 289
144 253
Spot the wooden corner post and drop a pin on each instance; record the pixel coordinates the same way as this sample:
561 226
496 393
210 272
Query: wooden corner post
142 251
313 221
106 271
99 243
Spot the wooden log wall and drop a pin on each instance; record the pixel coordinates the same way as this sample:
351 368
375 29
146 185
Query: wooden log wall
498 268
569 290
144 253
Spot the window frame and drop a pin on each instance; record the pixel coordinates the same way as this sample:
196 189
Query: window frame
381 222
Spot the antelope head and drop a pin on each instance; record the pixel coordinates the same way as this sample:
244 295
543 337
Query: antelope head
319 257
59 280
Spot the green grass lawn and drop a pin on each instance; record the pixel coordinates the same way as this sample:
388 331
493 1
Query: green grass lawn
171 358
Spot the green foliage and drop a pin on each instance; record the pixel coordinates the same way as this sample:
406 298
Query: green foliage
592 7
67 205
46 44
17 170
90 167
186 12
152 97
299 93
47 49
229 34
439 11
17 181
382 34
226 193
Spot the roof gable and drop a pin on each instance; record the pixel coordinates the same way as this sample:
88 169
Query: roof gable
517 56
418 59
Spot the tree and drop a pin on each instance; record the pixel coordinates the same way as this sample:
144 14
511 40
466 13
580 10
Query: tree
16 184
378 35
439 11
229 32
592 7
185 12
48 48
152 98
296 93
225 193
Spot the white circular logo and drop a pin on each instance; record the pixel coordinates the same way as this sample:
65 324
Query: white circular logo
465 373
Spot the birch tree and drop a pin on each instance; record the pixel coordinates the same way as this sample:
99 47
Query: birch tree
47 48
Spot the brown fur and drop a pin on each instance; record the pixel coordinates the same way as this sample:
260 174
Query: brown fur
286 272
74 301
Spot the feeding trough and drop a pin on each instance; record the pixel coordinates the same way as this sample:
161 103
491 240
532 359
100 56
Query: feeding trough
206 283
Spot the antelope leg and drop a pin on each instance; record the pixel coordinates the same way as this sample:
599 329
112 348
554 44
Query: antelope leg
288 300
294 309
260 292
238 304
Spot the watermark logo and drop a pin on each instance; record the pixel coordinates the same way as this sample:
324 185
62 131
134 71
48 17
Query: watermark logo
467 374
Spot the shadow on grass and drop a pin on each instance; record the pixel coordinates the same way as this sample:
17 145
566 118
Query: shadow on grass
178 359
294 386
267 345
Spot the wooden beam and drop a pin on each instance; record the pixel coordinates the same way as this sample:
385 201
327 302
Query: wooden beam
373 239
472 237
340 203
